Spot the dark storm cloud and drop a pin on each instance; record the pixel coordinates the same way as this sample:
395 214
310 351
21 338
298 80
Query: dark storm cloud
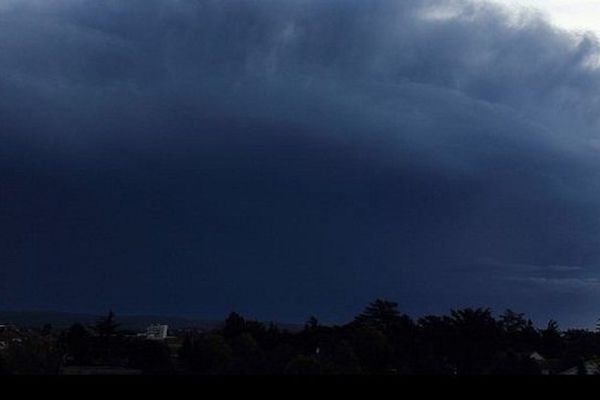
294 157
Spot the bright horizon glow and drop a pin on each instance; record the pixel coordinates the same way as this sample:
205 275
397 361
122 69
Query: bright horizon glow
574 15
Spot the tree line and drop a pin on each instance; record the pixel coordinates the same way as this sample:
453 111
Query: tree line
380 340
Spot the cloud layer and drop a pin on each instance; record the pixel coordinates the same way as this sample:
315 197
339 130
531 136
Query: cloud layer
285 158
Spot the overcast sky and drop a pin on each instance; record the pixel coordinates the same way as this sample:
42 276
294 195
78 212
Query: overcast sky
293 158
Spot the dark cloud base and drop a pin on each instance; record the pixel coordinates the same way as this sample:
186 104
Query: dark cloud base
292 158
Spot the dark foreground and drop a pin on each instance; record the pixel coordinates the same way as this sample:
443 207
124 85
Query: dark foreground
380 345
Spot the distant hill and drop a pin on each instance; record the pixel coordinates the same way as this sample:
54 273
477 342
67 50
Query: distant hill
61 320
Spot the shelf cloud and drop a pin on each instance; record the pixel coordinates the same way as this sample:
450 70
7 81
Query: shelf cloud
283 156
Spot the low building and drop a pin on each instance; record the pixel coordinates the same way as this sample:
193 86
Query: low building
537 357
157 332
590 367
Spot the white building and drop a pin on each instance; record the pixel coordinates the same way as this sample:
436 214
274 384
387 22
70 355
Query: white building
157 332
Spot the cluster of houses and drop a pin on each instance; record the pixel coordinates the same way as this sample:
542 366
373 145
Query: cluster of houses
589 367
9 334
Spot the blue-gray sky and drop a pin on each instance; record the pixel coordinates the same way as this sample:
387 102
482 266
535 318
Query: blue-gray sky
298 157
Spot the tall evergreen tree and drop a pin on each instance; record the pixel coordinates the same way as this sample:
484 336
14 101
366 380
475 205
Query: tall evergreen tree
107 326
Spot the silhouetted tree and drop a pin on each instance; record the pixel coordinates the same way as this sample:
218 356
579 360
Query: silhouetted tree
46 330
551 340
579 344
271 337
512 322
436 345
186 351
247 355
372 348
380 314
518 332
33 356
304 365
107 326
77 344
345 359
151 356
234 325
277 358
311 324
210 354
477 340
